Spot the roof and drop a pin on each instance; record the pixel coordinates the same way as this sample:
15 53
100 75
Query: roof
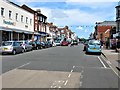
31 10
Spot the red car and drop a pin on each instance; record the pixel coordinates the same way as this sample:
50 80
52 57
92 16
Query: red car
64 43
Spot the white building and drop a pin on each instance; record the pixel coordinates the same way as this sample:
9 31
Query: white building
16 23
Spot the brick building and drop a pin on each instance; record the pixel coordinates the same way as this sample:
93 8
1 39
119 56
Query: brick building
39 24
102 30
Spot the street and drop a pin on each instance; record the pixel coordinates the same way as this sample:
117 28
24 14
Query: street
57 67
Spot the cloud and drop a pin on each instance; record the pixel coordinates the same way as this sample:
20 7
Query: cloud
58 13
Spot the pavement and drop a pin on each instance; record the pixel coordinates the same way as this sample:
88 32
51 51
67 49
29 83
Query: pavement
57 67
112 58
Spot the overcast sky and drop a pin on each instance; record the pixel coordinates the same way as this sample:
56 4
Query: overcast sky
79 15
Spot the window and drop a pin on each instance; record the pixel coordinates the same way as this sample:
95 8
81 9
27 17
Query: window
10 14
30 21
16 16
21 18
2 11
26 19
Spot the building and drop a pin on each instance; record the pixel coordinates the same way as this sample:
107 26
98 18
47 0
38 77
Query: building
16 23
102 30
118 25
53 32
40 23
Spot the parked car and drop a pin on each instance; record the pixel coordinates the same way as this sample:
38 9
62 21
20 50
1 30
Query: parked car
43 44
11 47
36 44
25 45
48 44
64 43
75 42
57 42
93 46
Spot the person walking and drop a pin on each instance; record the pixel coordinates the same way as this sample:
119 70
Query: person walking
107 44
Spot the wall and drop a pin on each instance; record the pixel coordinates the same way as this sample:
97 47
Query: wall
17 24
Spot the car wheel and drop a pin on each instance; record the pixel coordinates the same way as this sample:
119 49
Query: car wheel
14 52
23 50
100 53
37 48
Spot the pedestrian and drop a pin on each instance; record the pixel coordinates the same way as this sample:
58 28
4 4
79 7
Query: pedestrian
101 43
107 44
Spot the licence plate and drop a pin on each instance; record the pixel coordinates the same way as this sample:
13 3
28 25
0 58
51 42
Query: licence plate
94 48
5 49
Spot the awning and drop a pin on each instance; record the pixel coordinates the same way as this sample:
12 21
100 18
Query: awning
15 30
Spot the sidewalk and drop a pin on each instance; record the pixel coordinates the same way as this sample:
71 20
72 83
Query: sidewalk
112 57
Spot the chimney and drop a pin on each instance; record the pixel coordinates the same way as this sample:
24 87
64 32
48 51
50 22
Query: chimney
38 11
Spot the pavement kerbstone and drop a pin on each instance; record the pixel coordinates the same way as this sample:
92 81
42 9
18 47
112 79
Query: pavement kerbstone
112 56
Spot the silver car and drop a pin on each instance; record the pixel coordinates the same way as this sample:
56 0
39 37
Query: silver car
25 45
11 47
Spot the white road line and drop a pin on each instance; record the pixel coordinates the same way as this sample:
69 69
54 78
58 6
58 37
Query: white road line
80 83
66 82
23 65
102 62
69 75
71 71
81 76
73 66
112 69
59 87
17 68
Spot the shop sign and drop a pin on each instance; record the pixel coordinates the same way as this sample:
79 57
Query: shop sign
9 22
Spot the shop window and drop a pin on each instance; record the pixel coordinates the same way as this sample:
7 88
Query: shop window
2 11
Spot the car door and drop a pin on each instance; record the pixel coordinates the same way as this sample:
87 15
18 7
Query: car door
18 47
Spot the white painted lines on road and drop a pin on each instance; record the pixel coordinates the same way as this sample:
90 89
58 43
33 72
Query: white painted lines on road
69 75
71 71
80 83
110 65
23 65
102 62
73 66
66 82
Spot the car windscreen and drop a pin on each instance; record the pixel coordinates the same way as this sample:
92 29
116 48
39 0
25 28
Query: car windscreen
94 42
6 43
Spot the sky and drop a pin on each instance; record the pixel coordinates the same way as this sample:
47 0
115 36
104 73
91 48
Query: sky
79 15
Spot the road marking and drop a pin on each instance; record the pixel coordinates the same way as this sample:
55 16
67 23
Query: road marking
102 62
16 68
71 71
73 66
66 82
80 83
81 76
69 75
113 69
23 65
59 87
